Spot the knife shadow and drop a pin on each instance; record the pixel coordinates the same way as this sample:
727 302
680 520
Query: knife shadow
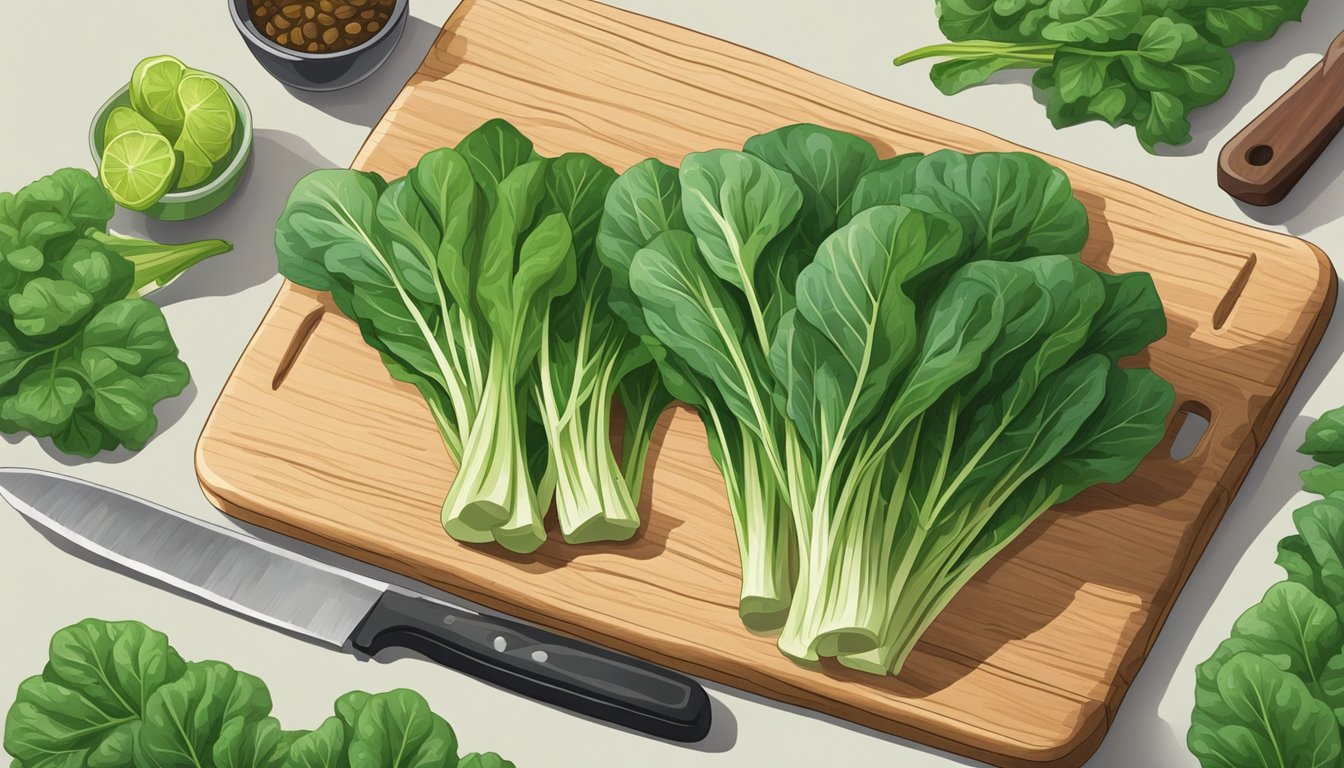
723 731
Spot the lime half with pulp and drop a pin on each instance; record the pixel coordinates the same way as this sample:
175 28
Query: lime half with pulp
154 93
123 119
138 168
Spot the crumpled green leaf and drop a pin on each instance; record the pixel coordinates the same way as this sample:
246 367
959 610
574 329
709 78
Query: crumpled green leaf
386 730
86 705
1325 438
83 360
1145 63
117 695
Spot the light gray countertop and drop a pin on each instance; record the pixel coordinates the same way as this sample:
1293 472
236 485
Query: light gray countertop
57 72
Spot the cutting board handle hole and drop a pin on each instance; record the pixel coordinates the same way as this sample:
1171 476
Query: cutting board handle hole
1260 155
1191 424
296 344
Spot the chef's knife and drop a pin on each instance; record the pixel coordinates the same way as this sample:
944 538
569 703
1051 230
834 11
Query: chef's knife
343 609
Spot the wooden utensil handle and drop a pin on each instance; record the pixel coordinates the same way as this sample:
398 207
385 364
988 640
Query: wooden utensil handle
1263 163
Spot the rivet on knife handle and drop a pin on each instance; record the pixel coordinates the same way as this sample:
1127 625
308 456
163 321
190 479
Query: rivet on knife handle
577 676
1263 163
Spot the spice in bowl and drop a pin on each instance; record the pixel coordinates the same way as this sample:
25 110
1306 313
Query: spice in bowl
320 26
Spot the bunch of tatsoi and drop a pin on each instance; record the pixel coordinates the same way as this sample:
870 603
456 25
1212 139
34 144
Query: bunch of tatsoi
476 277
900 363
177 133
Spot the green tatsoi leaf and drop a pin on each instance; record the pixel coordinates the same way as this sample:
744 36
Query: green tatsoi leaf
1096 21
83 708
1000 20
1232 22
953 77
826 165
1258 714
98 389
1324 480
1126 62
1325 438
1314 557
736 203
397 730
245 744
116 695
1080 77
493 151
1011 206
183 720
854 328
487 760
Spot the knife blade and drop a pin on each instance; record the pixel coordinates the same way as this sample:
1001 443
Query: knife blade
272 585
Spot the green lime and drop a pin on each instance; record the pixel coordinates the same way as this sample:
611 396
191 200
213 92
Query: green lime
154 93
138 168
123 119
208 122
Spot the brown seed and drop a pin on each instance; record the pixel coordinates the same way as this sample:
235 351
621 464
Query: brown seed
261 12
310 30
281 22
373 26
309 12
296 36
293 10
325 19
327 5
359 2
345 12
330 36
270 30
312 47
352 28
369 14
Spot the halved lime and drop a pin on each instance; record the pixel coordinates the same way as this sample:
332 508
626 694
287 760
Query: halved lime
123 119
138 168
154 93
208 122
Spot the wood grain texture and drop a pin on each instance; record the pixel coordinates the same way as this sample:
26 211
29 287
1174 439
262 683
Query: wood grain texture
311 437
1263 163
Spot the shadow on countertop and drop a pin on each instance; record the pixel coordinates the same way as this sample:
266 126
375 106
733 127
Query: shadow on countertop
364 103
1314 202
279 159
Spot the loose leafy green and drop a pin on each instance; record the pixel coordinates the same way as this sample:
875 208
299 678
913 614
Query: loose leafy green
487 760
1325 438
1272 694
911 348
476 279
83 359
1145 63
117 694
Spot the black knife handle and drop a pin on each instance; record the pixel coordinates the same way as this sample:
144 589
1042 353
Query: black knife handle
567 673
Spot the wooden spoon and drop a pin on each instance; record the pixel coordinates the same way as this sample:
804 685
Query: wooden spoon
1263 163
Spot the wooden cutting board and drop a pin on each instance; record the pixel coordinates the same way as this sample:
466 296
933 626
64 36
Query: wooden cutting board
313 439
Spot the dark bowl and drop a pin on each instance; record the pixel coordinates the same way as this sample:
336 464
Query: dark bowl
320 71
